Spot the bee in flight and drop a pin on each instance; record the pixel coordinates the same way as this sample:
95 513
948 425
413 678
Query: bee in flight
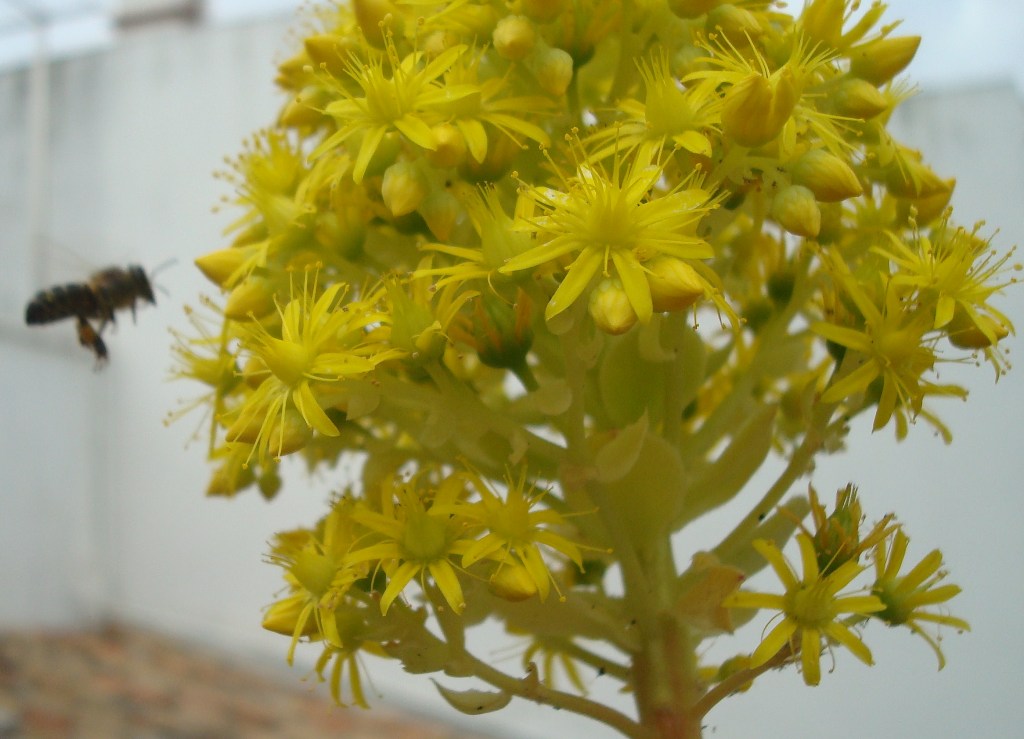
106 292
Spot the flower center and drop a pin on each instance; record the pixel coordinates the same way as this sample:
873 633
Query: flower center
426 537
288 360
811 606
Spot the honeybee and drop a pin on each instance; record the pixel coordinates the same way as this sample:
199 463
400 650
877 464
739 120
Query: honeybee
106 292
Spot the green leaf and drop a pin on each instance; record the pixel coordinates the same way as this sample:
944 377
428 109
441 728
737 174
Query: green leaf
474 702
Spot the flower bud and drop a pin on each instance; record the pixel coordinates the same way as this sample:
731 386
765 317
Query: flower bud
254 371
691 8
756 108
610 307
542 11
501 332
514 37
880 60
219 266
403 188
440 210
371 14
927 209
233 475
822 21
738 25
293 72
674 284
269 482
552 68
451 146
979 332
285 436
858 98
283 616
330 51
253 297
827 176
305 108
512 582
908 177
796 210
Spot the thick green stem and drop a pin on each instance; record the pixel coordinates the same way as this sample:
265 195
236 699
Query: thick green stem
666 684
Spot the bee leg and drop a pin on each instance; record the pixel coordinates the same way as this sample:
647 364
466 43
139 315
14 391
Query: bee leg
90 339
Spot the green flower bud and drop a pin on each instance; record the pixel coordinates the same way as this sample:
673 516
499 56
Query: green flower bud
283 616
372 15
440 210
979 332
514 37
218 266
501 332
610 307
822 21
451 146
738 25
330 51
796 210
827 176
403 188
512 582
674 284
880 60
254 297
756 108
552 68
305 109
927 209
858 98
910 178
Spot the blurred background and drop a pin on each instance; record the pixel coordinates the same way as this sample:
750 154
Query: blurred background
113 116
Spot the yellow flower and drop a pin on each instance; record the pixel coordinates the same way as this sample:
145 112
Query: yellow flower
490 106
810 608
613 222
499 241
893 346
417 535
516 528
206 359
905 597
668 113
403 95
317 574
956 273
320 342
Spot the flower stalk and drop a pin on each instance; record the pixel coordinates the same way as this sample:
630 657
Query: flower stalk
550 281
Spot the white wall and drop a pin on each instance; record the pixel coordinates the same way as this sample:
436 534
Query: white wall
101 507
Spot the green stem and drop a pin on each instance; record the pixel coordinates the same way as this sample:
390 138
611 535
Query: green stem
666 684
529 687
737 680
664 671
798 464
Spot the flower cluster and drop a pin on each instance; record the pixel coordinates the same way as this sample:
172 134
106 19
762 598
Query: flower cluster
553 279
